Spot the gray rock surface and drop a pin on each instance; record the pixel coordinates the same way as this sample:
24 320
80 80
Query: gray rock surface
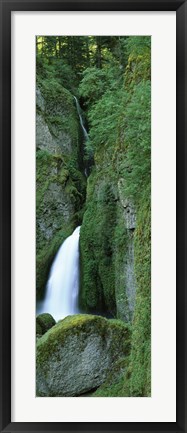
125 287
45 140
76 355
40 102
129 211
57 207
127 279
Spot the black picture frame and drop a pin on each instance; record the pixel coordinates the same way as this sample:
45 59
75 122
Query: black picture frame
6 7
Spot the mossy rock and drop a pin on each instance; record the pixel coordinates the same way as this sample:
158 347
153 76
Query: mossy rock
39 332
44 322
115 384
140 359
76 355
97 292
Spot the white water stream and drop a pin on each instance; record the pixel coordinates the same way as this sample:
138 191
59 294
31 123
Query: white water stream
81 119
62 292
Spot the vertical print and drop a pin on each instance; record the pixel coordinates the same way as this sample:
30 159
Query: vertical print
93 216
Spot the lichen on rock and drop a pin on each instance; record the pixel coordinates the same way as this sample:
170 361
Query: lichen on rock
76 355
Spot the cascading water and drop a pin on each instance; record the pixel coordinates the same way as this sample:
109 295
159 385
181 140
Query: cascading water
62 289
81 119
63 284
86 137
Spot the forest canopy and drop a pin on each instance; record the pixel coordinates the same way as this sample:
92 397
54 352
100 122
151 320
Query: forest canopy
111 77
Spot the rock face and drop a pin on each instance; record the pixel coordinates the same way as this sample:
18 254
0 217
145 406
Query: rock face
76 355
129 210
125 263
108 280
60 184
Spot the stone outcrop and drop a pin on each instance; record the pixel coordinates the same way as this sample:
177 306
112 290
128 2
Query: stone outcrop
108 280
76 355
52 132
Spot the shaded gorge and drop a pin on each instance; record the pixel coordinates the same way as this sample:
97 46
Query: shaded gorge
93 216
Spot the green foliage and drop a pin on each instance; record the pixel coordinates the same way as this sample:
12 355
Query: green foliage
138 45
64 74
138 142
93 85
73 54
54 73
120 118
48 84
140 362
104 117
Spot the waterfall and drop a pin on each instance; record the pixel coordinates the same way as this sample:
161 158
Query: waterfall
81 119
62 289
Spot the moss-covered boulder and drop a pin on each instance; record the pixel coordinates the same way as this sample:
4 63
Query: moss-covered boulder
39 332
44 322
76 355
115 384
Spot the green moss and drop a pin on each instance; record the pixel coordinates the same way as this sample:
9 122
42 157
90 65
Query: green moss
38 329
140 362
74 325
44 322
121 239
104 241
138 68
97 254
135 379
63 175
114 383
60 112
56 96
